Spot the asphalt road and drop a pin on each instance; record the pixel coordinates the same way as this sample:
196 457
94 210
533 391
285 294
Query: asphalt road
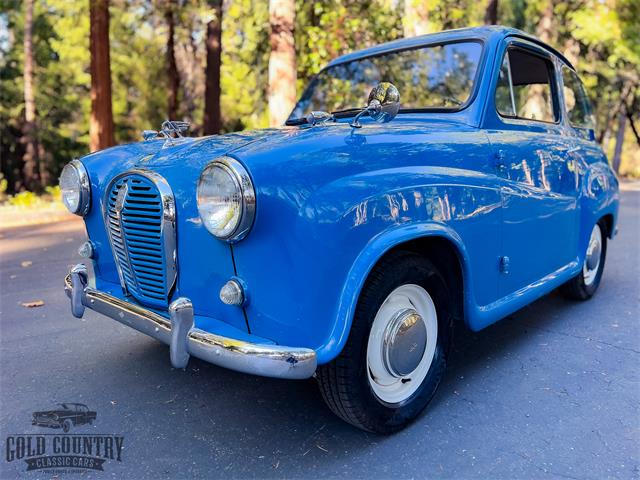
551 392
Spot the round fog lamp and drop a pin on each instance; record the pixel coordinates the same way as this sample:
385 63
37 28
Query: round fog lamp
232 293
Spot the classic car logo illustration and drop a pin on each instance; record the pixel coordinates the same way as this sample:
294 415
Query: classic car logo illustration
65 416
64 452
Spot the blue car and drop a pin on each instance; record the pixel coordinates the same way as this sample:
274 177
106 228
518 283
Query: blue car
346 244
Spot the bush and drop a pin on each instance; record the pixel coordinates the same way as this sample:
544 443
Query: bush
24 199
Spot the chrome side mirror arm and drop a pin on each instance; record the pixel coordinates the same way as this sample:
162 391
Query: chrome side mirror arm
372 109
383 104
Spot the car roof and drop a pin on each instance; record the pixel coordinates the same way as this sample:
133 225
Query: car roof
472 33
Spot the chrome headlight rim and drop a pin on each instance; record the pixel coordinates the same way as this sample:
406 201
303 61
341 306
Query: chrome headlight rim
244 185
84 187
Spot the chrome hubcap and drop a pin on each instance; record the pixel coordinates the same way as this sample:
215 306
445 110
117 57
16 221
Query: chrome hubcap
592 257
405 341
402 343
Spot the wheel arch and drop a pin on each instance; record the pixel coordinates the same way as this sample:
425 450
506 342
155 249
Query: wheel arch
608 222
438 242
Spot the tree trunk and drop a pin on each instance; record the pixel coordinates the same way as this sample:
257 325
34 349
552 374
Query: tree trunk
101 122
544 29
416 18
617 152
212 119
173 78
30 177
282 61
491 14
632 124
613 113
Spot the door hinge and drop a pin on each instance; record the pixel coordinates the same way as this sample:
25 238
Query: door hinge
504 264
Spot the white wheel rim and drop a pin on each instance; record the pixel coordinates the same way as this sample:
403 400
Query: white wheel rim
389 387
592 256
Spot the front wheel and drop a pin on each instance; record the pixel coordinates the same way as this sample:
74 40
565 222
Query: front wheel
396 353
585 284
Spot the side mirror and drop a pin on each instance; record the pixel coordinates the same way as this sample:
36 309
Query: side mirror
382 106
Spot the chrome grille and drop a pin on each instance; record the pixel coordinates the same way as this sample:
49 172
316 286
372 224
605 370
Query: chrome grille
140 220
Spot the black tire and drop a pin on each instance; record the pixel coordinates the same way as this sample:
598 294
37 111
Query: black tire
344 381
576 289
66 426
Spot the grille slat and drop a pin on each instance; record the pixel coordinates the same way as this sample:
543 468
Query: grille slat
138 238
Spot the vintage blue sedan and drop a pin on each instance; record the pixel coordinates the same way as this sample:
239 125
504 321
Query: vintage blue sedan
346 244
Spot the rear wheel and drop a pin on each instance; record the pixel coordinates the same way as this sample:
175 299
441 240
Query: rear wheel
396 353
585 284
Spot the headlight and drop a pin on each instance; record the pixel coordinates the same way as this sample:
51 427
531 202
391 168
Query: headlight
74 186
226 199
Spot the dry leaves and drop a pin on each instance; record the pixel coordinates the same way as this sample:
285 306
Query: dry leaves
35 303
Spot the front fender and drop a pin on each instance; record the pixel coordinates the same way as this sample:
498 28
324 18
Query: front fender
366 260
329 206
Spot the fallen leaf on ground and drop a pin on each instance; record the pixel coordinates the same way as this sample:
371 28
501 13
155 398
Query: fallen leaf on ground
26 263
35 303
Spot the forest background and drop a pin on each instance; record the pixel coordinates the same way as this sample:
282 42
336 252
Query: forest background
78 76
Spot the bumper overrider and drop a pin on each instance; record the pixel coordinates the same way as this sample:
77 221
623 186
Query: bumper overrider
184 339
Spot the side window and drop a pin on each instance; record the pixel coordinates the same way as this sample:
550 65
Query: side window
525 87
504 94
576 100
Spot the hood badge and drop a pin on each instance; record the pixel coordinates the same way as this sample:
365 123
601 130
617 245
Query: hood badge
170 130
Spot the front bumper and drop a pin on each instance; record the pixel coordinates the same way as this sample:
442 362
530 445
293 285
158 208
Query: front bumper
185 340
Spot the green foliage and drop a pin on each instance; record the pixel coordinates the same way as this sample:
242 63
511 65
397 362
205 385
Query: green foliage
327 29
245 64
601 35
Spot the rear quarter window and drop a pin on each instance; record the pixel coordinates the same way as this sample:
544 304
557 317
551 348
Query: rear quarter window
576 101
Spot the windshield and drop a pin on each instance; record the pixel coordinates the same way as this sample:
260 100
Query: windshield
432 77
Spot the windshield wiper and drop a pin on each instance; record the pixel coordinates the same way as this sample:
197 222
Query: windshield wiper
294 122
347 112
313 118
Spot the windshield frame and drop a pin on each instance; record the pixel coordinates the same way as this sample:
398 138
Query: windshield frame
465 105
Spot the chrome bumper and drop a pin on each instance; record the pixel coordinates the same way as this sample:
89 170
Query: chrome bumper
185 340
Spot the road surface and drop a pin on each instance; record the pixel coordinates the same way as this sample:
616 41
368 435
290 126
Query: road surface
551 392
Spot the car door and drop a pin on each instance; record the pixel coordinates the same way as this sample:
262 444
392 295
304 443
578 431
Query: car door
534 157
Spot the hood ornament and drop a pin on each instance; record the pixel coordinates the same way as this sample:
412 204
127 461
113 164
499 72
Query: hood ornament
170 130
120 199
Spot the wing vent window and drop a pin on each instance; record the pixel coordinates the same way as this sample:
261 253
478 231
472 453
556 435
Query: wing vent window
525 87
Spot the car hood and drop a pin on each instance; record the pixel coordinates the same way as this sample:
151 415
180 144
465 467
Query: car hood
264 149
189 154
288 162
